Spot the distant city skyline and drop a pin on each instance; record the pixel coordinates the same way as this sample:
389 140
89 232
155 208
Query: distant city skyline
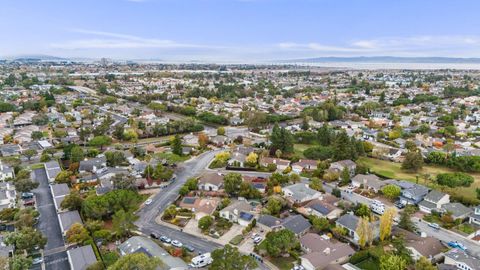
239 30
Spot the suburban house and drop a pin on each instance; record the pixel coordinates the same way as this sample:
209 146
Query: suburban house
200 206
300 193
210 182
413 193
304 165
339 166
457 210
53 169
240 212
237 159
81 258
433 201
6 172
321 251
59 191
281 164
475 216
92 165
428 247
368 181
350 222
67 219
297 224
8 195
461 260
139 244
320 208
269 223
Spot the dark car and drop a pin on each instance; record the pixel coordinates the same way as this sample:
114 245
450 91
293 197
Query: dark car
399 205
154 235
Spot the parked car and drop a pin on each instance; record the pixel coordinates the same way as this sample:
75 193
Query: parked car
458 245
165 239
257 240
434 225
177 243
399 205
154 236
37 260
148 201
255 235
27 195
189 248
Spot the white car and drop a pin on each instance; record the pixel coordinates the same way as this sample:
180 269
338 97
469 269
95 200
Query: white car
257 240
148 201
177 243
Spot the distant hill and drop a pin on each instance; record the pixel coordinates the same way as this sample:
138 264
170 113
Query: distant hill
389 59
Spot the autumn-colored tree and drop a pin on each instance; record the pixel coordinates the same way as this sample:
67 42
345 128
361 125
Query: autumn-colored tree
252 159
202 140
364 231
386 222
77 234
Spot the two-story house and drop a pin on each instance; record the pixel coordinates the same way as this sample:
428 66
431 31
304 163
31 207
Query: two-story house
475 216
6 172
433 201
413 194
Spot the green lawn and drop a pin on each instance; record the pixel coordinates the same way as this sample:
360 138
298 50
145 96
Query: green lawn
299 148
172 158
236 240
388 169
283 263
368 264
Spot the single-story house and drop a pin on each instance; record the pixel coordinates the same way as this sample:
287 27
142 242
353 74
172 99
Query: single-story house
322 251
281 164
81 258
200 206
67 219
461 260
339 166
210 182
53 169
304 165
300 193
297 224
457 210
240 212
369 181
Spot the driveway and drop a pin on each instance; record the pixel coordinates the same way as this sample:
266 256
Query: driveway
48 224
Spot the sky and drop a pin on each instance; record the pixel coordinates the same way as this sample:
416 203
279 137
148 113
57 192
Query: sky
239 30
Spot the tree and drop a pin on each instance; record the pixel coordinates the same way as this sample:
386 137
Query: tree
252 159
64 177
20 262
273 205
386 222
130 135
176 144
345 177
229 258
122 222
25 184
100 141
405 221
202 140
221 131
362 210
77 234
118 131
281 139
136 261
316 184
392 262
72 201
26 239
343 148
170 212
29 153
205 223
76 154
456 179
280 242
391 191
121 181
115 158
424 264
413 161
319 223
25 218
232 182
365 232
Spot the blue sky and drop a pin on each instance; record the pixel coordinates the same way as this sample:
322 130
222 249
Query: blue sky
239 30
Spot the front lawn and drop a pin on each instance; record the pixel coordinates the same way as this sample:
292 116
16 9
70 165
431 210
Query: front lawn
388 169
283 263
465 228
172 158
299 148
236 240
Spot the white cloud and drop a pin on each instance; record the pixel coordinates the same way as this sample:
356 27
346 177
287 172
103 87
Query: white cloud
109 40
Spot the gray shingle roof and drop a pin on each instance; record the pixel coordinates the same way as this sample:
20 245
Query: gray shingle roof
82 257
348 221
297 224
434 196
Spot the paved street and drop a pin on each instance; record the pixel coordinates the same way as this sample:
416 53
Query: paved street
447 236
48 223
